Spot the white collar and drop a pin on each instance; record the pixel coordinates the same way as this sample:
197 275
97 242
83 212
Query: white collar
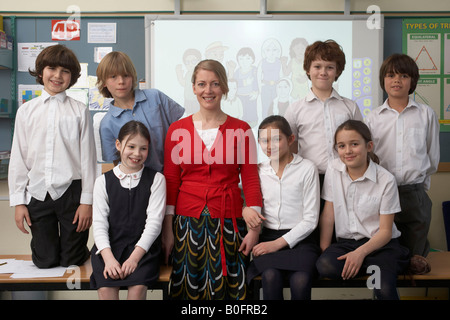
60 96
121 175
370 173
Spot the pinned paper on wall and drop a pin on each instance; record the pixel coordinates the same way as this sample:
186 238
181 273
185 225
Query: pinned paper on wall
65 30
100 52
26 92
27 53
102 32
427 41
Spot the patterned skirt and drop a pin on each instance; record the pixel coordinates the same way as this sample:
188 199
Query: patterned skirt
198 262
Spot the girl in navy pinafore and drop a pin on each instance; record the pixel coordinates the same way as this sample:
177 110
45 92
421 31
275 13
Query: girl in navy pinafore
129 205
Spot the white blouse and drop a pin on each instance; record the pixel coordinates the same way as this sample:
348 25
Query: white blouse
293 201
155 210
359 203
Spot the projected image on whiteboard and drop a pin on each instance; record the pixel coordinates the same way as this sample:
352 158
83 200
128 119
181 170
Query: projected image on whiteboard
263 59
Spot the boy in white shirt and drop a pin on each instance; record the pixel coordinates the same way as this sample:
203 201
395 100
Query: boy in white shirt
53 164
406 139
315 118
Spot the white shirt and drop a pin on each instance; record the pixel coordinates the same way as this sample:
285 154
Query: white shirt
407 143
53 145
293 201
359 203
208 136
155 209
314 123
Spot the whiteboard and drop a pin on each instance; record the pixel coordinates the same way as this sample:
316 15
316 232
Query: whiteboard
174 44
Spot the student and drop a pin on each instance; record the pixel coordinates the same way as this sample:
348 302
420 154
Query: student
290 213
53 164
406 138
129 206
361 201
117 79
314 119
207 155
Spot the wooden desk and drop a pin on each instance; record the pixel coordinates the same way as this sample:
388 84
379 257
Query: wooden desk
69 281
47 283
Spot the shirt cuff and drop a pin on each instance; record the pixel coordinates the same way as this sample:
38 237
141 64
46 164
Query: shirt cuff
170 210
18 199
86 198
256 208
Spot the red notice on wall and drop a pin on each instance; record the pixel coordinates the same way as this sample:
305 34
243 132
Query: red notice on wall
65 30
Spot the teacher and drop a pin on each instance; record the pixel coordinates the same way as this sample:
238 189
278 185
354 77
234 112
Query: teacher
207 155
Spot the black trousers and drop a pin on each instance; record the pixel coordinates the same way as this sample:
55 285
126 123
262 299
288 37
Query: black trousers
415 218
55 241
391 259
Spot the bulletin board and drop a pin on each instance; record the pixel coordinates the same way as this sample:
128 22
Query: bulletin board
129 38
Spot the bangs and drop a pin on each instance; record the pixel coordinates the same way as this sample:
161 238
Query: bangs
399 64
117 67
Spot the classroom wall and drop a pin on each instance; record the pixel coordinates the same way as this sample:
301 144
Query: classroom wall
187 6
440 181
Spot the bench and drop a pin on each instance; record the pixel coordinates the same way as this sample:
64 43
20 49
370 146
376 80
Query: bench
61 283
438 277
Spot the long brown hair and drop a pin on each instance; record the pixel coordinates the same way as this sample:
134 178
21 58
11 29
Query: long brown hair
363 130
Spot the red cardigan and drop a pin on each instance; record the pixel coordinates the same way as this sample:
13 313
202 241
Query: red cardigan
197 177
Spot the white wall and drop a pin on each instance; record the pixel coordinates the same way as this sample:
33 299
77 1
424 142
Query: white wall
188 6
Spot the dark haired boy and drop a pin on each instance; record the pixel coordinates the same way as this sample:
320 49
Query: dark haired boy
53 164
406 139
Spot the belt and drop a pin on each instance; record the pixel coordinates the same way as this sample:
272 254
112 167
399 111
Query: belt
227 192
411 187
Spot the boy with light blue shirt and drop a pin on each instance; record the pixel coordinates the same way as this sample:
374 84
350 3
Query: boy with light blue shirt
117 79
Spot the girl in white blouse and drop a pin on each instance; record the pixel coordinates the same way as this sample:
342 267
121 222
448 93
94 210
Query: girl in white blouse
128 210
290 214
361 201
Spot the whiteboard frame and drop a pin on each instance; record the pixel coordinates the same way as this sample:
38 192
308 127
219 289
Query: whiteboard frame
149 34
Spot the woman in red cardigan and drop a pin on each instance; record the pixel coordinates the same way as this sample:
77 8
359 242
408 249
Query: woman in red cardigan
207 155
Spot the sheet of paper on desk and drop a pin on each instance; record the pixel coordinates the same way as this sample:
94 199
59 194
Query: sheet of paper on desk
26 269
9 266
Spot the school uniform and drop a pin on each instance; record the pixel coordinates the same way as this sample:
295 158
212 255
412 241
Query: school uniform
291 208
407 144
151 107
128 212
314 123
52 170
358 205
